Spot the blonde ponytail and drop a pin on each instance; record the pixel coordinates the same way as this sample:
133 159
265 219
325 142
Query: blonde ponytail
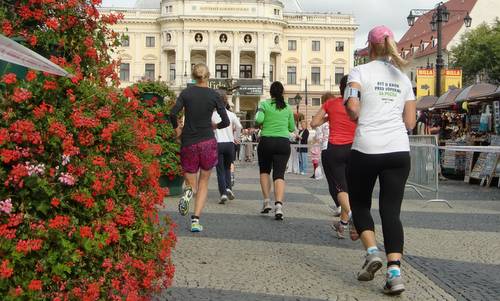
392 51
387 49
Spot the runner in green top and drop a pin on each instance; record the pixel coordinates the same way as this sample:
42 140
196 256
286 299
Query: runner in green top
277 123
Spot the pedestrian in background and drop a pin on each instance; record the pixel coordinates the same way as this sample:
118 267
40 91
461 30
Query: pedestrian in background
225 148
336 159
380 97
198 144
276 119
303 138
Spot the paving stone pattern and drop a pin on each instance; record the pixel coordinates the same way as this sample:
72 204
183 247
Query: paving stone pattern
451 254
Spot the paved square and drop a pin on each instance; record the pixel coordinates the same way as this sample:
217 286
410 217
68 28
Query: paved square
450 253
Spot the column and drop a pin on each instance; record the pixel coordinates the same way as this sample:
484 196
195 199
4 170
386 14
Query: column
138 70
186 58
328 64
211 53
237 104
235 56
305 49
164 65
259 56
179 62
278 70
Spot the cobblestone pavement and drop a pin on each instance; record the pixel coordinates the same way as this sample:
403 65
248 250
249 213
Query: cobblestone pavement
451 253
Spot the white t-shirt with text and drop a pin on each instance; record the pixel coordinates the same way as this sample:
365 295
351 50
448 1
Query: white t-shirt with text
384 92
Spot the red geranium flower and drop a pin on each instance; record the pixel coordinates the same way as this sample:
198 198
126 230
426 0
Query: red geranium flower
31 75
35 285
21 94
9 78
5 270
7 28
52 23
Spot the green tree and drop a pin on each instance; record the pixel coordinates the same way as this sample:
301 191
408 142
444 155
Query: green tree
479 53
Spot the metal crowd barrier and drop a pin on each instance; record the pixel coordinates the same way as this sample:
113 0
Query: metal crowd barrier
424 173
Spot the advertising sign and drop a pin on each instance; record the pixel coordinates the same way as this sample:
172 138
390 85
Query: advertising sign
246 86
426 82
451 79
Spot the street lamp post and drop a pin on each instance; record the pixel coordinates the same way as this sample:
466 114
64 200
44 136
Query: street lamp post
441 15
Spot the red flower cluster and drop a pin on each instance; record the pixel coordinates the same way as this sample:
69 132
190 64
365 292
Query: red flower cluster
78 167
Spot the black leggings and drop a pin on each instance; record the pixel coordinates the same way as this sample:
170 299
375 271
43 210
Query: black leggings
329 176
392 169
273 153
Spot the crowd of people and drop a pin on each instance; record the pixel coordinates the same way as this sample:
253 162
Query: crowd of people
361 136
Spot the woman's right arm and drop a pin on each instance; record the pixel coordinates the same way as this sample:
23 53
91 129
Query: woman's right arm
179 104
260 116
409 114
291 122
318 119
353 105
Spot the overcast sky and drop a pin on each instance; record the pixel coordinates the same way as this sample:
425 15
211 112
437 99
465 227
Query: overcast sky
368 13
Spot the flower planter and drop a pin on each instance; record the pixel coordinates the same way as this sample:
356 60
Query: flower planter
18 70
153 98
174 185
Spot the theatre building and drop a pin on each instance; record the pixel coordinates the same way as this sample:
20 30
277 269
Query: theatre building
245 43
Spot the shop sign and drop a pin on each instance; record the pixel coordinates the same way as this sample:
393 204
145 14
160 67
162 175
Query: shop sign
245 87
425 82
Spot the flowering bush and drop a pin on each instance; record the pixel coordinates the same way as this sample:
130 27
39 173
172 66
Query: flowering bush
165 134
79 202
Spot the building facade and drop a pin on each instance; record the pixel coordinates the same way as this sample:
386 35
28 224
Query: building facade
419 43
249 42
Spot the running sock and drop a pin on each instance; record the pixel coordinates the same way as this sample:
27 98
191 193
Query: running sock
195 217
372 250
393 272
344 223
277 202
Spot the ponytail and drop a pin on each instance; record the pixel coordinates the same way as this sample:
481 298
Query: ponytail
387 49
276 92
392 51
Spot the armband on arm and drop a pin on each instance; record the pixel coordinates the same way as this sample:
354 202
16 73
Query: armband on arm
351 92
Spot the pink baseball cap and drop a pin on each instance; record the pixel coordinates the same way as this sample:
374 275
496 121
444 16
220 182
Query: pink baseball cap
378 33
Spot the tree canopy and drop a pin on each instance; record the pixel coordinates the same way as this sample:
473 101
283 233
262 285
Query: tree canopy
479 53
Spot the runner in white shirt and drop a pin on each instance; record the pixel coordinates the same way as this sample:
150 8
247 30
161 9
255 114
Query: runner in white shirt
381 98
225 147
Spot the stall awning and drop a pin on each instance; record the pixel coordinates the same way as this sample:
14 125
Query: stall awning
426 102
475 91
488 97
447 99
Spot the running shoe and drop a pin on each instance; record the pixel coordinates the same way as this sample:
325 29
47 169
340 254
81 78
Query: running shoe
336 210
339 229
373 263
223 199
394 285
196 226
185 200
266 207
230 194
352 231
278 212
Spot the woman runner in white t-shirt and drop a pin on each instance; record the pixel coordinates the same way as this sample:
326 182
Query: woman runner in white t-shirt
380 97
